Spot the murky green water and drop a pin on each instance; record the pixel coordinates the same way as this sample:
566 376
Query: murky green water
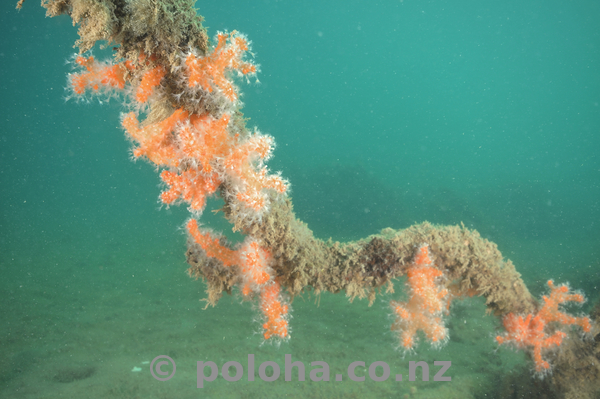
384 113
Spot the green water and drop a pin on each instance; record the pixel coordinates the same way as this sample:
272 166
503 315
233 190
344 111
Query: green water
384 114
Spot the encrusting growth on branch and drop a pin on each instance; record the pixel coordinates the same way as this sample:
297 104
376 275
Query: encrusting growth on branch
185 120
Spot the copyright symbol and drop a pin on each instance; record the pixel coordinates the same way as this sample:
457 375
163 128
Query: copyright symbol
156 368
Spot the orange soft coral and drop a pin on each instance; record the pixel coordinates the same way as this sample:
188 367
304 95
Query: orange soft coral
241 163
98 75
530 331
210 155
210 70
425 307
199 150
212 246
253 260
150 80
274 311
206 140
191 186
156 140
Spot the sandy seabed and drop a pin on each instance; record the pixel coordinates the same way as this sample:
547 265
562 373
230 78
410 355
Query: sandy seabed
81 315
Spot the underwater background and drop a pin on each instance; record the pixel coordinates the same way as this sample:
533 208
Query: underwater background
385 114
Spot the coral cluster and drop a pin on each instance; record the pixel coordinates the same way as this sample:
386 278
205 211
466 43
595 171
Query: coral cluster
532 330
98 75
428 300
210 70
192 130
255 277
200 151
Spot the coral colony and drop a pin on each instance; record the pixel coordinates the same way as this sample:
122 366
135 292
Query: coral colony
192 130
